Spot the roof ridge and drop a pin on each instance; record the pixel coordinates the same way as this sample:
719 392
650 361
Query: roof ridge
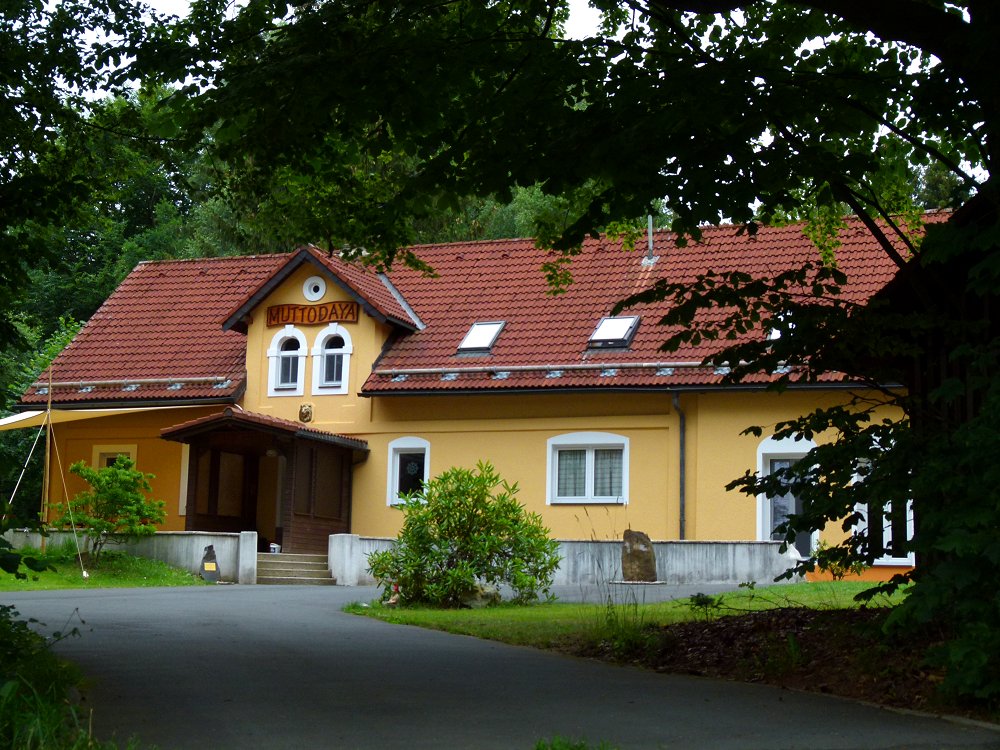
210 259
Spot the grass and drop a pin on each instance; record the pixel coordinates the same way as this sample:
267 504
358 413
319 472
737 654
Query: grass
114 569
546 625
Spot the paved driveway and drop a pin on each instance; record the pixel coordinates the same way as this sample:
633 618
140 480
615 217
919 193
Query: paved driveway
282 667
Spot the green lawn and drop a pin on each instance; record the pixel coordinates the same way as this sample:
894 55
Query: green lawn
545 625
114 569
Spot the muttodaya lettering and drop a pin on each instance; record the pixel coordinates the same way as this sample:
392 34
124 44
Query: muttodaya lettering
312 315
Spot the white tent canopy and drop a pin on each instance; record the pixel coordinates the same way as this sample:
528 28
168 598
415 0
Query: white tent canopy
58 416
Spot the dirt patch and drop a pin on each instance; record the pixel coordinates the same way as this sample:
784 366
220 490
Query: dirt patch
840 652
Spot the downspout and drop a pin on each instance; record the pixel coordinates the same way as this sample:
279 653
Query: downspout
682 427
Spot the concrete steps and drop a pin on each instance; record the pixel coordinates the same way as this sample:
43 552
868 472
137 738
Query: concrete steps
285 568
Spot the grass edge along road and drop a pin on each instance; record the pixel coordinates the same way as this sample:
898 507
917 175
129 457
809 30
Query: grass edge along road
810 636
116 569
549 624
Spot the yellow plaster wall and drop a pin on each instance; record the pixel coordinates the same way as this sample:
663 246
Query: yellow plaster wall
511 432
76 441
335 412
718 454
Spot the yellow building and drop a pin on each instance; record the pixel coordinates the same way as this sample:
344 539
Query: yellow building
298 395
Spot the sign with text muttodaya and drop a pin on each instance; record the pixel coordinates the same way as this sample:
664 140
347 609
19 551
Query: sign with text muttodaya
312 315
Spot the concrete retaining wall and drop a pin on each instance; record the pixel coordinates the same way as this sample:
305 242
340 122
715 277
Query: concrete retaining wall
348 557
585 563
182 549
676 562
600 562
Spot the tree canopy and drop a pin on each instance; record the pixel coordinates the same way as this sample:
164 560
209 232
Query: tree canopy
359 124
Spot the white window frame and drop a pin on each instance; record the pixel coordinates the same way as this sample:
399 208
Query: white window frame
314 288
407 444
614 331
481 336
590 442
770 448
274 388
862 526
320 388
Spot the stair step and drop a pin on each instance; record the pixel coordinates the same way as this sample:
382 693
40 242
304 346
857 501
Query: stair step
288 580
289 556
268 565
277 568
294 572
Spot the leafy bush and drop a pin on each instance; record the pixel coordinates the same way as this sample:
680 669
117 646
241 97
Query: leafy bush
465 529
115 508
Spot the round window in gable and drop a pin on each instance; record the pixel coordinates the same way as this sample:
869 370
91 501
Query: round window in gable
314 288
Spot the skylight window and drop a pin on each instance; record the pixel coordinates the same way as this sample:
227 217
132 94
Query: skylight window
614 331
481 337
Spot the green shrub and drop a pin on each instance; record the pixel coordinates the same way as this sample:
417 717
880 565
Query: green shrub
115 508
463 530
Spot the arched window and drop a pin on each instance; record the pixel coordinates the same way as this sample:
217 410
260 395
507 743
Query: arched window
409 467
331 360
286 363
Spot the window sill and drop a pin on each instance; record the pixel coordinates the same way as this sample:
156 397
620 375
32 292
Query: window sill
586 501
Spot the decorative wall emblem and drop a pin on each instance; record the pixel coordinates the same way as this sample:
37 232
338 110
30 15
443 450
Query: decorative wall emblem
305 412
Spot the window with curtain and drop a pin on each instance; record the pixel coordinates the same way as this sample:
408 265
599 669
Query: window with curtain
588 467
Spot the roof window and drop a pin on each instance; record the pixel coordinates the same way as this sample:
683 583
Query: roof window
614 331
481 336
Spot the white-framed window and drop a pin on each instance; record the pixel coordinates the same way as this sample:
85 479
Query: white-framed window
896 526
587 467
314 288
286 362
481 337
409 467
614 331
773 455
331 357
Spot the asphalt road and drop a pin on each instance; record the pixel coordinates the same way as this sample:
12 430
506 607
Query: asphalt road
282 667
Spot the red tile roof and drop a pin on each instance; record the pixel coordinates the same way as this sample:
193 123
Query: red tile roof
160 336
544 342
250 420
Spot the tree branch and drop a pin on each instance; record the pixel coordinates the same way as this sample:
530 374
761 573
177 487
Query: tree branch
910 22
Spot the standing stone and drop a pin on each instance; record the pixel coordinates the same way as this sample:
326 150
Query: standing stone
638 558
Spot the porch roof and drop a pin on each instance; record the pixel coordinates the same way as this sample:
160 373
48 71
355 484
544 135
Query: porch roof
237 418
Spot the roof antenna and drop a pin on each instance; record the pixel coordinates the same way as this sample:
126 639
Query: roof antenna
650 259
